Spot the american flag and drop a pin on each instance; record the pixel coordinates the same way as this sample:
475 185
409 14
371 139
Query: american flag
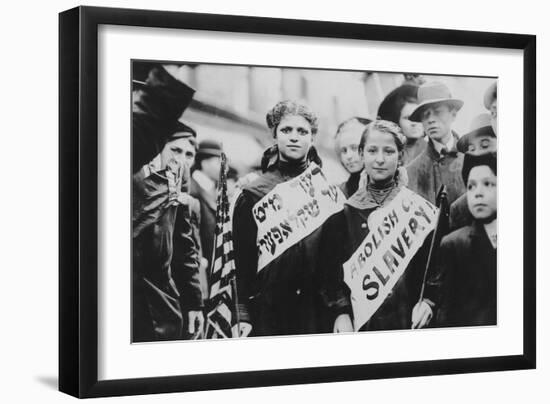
222 320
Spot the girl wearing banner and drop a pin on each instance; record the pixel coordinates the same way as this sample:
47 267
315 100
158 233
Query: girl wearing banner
277 284
377 246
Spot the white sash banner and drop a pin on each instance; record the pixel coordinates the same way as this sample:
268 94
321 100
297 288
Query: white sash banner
292 211
396 232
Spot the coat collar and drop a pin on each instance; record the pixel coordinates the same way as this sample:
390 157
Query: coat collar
434 154
363 199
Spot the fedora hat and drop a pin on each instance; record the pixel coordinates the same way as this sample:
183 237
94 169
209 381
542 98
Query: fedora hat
434 93
480 126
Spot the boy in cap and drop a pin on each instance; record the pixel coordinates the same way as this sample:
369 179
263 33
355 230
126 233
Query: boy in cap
468 256
466 273
440 163
480 140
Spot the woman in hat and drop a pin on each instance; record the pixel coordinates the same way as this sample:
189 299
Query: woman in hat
347 138
371 217
397 107
166 295
281 298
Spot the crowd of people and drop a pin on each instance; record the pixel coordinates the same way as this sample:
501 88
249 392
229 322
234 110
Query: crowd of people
407 241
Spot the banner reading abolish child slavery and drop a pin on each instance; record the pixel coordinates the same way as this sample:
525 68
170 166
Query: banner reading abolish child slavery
292 211
396 232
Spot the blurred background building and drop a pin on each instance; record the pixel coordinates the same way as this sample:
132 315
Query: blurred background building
231 103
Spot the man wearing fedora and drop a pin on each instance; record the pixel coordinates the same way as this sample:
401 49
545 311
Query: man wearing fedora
204 187
480 140
440 163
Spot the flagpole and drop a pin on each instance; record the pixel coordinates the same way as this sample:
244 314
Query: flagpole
225 265
237 314
441 197
234 278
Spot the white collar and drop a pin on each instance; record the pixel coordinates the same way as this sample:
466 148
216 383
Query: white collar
449 145
204 181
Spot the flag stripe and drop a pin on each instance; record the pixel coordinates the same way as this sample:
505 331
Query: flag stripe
221 317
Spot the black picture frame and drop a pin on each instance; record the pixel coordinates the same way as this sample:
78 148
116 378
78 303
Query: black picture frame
78 200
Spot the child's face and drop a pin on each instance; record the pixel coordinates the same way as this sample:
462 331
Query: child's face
348 146
381 156
482 193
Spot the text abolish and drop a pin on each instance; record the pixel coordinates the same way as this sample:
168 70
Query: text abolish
396 232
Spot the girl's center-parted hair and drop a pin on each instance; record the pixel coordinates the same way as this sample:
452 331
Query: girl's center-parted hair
385 127
289 107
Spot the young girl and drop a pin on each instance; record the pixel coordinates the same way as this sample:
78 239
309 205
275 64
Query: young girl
347 139
378 243
282 297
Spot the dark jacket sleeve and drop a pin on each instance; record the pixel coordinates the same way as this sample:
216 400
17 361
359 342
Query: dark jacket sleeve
334 290
185 262
445 266
246 254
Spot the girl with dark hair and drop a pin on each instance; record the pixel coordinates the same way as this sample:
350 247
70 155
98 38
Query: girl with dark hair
374 272
397 107
281 297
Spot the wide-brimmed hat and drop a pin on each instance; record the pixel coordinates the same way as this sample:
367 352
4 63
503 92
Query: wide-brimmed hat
433 93
480 126
490 95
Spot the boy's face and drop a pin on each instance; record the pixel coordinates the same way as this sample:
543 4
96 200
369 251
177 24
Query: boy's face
437 121
482 193
482 144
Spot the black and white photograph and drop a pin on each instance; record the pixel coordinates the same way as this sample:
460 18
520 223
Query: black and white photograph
258 201
275 201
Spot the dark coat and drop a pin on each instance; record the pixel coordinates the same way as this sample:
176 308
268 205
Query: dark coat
429 171
468 264
284 298
345 232
164 272
350 186
460 215
186 258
